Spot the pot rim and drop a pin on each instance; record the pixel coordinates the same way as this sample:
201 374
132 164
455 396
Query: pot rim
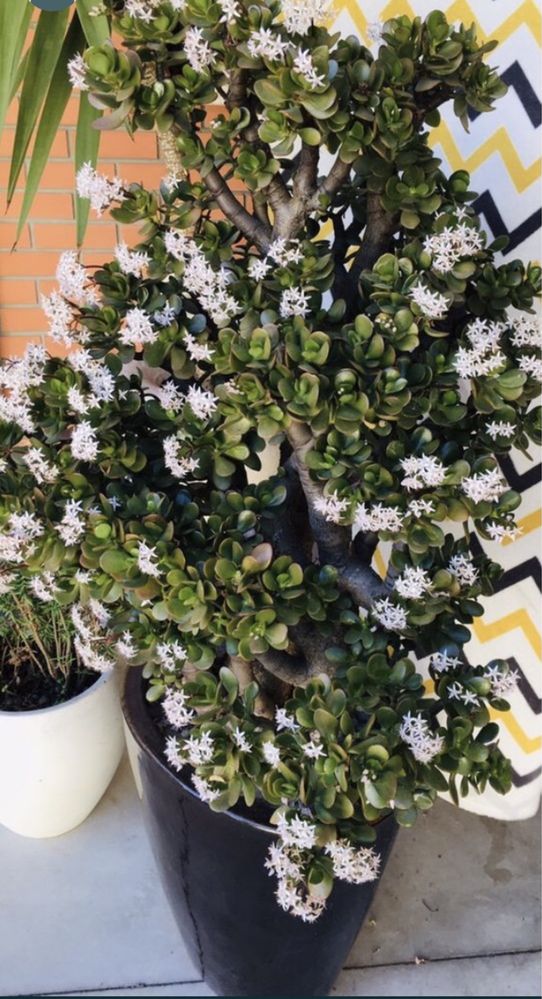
144 725
100 681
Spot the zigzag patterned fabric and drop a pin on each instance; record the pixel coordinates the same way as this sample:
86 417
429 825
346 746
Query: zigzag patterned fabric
501 151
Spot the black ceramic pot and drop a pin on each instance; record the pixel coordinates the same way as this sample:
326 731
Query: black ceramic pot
212 869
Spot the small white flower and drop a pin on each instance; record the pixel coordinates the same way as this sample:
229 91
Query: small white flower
502 532
431 304
441 662
125 646
500 428
202 403
284 720
99 190
377 518
420 508
173 754
426 470
304 65
527 332
147 560
62 319
204 789
258 269
462 567
296 831
468 697
37 464
391 616
137 328
413 583
84 444
101 613
285 251
484 487
44 587
294 302
131 261
74 281
179 467
72 525
331 507
197 351
300 15
77 72
271 753
313 750
455 691
351 864
502 683
241 741
170 654
197 50
199 750
267 44
417 735
531 365
175 709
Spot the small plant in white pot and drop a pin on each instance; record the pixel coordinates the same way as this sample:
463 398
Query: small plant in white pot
60 725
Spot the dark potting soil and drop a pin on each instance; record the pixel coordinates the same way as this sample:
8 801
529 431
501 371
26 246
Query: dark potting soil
22 688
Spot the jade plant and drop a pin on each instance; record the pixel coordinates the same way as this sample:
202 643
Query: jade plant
307 277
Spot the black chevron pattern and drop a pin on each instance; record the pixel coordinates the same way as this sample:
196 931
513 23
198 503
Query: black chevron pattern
515 78
485 205
520 480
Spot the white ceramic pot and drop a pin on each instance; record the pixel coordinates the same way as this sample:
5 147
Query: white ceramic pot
56 763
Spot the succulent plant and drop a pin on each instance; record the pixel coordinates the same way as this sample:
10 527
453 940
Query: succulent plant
354 317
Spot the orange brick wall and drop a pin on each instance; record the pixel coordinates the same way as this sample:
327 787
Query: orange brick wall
29 270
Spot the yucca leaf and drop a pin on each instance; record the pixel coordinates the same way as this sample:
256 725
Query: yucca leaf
42 60
18 75
58 95
14 21
87 140
96 28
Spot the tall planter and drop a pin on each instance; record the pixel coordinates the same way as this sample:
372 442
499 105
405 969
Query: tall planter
212 869
57 762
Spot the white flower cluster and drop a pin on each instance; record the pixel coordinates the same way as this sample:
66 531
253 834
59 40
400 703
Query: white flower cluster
527 331
281 251
500 428
500 532
457 692
178 715
267 44
199 749
179 467
89 642
131 261
77 72
451 244
74 282
44 587
84 444
98 189
462 567
125 646
300 15
356 865
502 683
426 470
17 537
331 507
197 50
377 518
431 304
72 525
441 662
531 365
147 560
420 508
304 66
484 356
419 738
289 865
204 789
137 328
413 583
170 654
197 351
202 403
17 376
484 487
98 375
37 464
391 616
63 326
271 753
242 743
285 721
207 285
294 302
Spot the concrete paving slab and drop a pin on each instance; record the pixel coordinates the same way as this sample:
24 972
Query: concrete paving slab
84 910
456 884
506 975
90 903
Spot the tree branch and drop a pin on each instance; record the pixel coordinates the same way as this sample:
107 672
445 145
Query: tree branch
251 227
379 229
338 175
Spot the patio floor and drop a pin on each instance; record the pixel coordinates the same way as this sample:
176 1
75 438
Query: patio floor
456 914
